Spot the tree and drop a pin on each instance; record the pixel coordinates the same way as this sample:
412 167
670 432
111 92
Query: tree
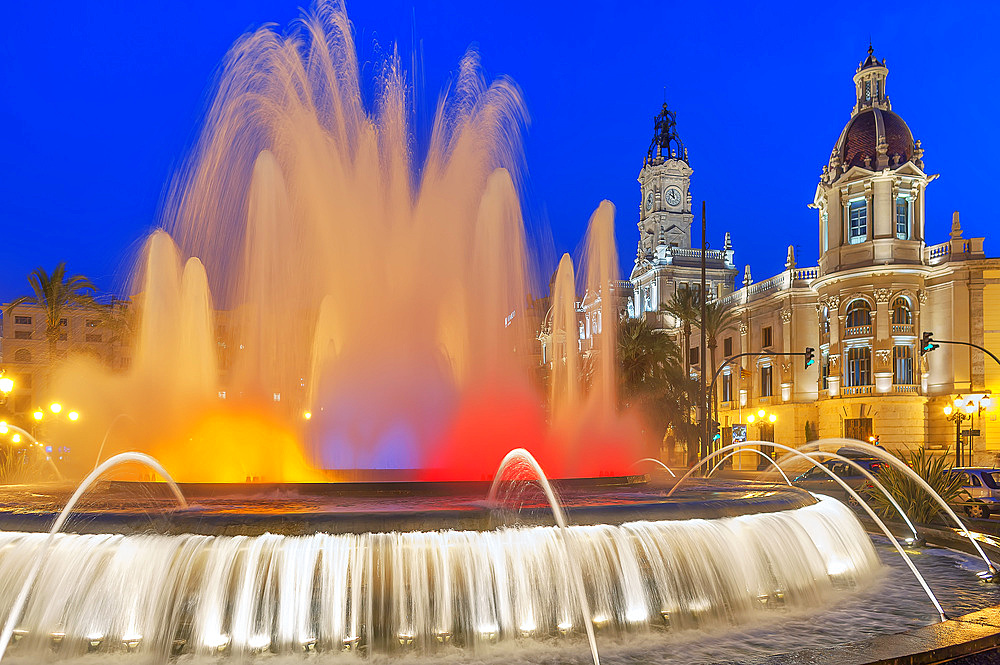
652 378
56 294
685 306
718 319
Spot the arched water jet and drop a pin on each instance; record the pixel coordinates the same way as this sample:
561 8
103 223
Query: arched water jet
901 466
557 512
656 461
751 450
845 486
107 433
111 462
872 479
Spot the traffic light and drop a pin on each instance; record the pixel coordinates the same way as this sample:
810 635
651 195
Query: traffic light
927 343
810 356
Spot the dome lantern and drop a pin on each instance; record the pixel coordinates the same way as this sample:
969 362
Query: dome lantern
869 83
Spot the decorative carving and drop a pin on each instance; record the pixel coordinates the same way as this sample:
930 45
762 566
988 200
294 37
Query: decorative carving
882 295
786 316
833 302
884 357
744 329
922 296
786 369
834 361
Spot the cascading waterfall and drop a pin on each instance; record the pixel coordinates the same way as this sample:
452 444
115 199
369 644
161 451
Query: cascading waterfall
157 595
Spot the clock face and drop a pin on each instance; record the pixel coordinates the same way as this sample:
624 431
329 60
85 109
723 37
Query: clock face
673 196
649 201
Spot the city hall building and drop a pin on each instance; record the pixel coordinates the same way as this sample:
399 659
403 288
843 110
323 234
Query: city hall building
880 283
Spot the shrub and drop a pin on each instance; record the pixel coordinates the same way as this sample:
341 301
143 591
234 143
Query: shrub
915 501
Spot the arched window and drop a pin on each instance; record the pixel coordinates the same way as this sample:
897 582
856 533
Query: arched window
22 356
901 311
859 313
824 320
859 366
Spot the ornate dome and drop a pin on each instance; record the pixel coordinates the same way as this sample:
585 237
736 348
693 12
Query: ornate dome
873 133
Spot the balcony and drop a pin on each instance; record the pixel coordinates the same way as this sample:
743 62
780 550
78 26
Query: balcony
853 391
902 329
905 389
858 331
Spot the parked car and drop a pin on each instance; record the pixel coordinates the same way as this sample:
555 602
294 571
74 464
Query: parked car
981 490
817 480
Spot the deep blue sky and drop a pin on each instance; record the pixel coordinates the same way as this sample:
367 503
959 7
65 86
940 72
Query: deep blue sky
100 102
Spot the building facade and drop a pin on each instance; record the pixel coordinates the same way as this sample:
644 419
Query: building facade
879 284
28 357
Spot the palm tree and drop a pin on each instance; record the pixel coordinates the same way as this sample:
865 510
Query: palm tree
718 319
652 379
685 306
55 294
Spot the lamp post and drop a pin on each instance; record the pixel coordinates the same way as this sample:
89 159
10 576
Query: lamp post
765 419
965 408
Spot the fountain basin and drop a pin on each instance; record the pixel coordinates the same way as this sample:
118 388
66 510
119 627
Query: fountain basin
307 508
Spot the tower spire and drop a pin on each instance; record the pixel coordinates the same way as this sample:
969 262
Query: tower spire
666 144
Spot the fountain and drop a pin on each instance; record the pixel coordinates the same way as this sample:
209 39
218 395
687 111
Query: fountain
333 356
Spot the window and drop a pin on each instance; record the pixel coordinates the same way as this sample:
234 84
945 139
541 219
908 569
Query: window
857 227
824 321
825 371
92 323
902 218
22 320
727 346
901 313
22 356
868 91
765 381
63 322
972 480
822 232
693 355
859 313
22 334
902 365
93 337
727 388
765 337
859 366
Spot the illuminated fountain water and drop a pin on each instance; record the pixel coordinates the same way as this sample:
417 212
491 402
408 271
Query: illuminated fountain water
311 263
387 295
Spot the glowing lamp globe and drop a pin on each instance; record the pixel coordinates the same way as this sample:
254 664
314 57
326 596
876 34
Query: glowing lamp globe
6 384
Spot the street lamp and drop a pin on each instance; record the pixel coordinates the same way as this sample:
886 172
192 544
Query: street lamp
6 386
766 419
965 408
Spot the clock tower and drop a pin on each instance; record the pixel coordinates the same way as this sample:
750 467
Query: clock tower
665 211
664 259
